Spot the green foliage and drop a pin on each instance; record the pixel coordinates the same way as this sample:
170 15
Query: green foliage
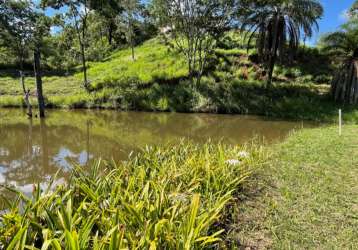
278 26
8 58
157 81
342 46
194 28
164 198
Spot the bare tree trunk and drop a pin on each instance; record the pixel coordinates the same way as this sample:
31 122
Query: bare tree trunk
261 43
131 33
347 75
110 32
22 77
190 68
273 53
26 92
28 103
22 81
336 87
81 35
84 66
132 47
355 95
350 83
38 76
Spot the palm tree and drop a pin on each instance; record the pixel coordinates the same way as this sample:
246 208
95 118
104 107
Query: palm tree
343 47
279 25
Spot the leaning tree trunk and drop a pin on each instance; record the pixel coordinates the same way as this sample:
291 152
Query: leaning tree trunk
344 86
38 77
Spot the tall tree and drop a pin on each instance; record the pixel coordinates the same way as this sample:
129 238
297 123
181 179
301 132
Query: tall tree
278 25
194 26
41 29
131 12
77 12
16 19
343 47
109 9
24 24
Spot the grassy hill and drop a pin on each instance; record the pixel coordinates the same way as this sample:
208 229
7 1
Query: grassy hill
153 61
157 81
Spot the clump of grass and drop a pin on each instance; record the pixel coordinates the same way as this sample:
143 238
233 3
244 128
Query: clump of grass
165 198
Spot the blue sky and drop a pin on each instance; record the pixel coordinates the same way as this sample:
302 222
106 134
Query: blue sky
334 16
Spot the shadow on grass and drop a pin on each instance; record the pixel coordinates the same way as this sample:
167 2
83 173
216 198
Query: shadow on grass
15 73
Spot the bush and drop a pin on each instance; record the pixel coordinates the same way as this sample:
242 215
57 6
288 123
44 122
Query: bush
322 79
166 198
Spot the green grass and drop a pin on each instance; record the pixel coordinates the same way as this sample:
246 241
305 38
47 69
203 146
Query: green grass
164 198
157 81
153 62
309 196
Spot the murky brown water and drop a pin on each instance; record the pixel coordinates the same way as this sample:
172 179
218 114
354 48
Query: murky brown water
33 151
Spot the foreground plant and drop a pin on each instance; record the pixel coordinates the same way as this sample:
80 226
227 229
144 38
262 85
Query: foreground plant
166 198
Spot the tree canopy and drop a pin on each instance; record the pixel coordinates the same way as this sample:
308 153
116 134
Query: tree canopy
279 26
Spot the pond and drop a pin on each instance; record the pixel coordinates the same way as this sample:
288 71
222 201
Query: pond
31 151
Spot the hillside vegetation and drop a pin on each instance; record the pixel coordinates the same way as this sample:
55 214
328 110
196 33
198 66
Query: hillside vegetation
157 80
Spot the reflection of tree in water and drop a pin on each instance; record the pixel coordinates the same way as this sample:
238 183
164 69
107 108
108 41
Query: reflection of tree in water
34 151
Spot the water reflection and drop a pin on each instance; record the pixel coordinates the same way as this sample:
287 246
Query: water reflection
32 151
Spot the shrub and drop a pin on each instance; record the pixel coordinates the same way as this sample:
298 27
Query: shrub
165 198
322 79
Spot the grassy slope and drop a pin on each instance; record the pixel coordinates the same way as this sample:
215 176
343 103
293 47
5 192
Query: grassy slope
310 194
155 81
153 61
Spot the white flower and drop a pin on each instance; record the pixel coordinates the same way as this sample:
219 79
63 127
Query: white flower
243 154
233 162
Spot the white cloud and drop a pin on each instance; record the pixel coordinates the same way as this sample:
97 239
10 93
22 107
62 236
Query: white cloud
344 15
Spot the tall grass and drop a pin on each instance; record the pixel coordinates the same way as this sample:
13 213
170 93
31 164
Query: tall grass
163 198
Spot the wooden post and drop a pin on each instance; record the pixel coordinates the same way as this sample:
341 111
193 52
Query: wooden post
340 121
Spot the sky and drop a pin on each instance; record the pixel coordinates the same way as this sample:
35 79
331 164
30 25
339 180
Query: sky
334 16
